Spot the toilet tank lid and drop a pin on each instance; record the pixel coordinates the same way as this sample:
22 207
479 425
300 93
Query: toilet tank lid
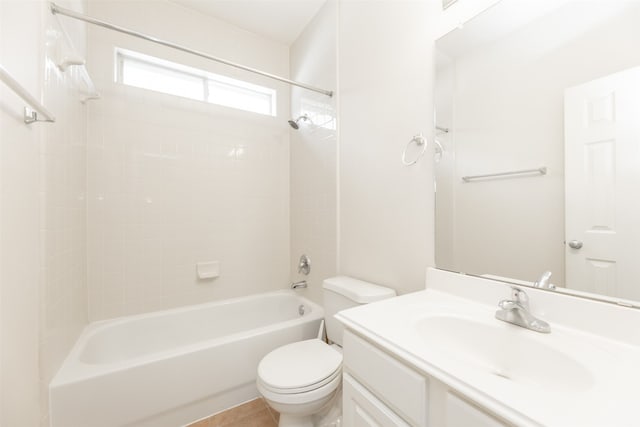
357 290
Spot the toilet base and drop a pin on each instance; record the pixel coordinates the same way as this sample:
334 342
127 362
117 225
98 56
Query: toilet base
295 421
329 416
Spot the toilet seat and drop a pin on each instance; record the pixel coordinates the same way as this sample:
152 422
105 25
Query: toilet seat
305 398
300 367
299 390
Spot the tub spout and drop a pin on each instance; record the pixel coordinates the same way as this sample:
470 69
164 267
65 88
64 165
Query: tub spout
301 284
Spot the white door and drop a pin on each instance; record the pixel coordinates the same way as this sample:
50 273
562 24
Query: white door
602 185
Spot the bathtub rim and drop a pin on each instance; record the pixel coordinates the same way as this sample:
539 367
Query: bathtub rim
73 369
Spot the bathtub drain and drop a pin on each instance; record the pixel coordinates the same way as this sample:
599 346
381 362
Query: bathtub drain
301 310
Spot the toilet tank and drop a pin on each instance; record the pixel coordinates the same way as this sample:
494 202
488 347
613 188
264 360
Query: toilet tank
342 292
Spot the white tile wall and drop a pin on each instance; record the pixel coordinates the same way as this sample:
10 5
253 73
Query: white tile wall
313 160
173 182
42 226
63 296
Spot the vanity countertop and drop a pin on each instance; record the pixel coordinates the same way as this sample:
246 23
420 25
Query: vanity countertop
569 377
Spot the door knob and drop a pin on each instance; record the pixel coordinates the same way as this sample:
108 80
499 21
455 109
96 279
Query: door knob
575 244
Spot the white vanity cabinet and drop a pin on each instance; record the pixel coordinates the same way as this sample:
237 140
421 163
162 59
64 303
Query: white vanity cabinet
379 390
363 409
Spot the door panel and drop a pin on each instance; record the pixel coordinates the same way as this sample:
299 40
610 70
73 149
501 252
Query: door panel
602 179
363 409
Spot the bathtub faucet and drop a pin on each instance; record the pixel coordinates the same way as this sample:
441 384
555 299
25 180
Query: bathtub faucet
301 284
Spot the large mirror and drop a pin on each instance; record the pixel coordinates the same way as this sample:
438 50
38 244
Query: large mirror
538 114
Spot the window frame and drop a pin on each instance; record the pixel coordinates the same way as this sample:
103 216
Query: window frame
242 87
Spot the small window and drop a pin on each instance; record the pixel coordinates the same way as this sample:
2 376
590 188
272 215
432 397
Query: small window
147 72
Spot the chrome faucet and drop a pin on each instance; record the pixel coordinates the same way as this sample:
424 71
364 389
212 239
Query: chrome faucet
516 311
543 281
300 284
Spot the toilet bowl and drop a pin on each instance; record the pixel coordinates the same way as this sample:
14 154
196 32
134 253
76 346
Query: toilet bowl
298 380
302 379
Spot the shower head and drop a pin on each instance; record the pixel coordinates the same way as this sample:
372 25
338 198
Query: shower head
294 123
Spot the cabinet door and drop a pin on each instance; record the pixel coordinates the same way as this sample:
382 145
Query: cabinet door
363 409
401 388
459 413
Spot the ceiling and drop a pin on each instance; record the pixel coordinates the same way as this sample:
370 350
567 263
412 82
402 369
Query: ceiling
279 20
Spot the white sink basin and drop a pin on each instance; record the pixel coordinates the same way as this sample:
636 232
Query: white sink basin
506 351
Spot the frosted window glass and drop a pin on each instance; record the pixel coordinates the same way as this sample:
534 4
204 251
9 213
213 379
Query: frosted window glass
160 79
237 97
146 72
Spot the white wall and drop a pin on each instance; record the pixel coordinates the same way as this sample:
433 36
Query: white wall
173 182
508 115
43 303
313 159
385 72
457 14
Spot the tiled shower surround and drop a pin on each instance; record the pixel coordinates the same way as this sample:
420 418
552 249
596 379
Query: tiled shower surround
169 188
173 182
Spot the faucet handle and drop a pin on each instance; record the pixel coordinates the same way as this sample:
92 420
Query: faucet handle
516 311
507 304
519 296
304 265
519 299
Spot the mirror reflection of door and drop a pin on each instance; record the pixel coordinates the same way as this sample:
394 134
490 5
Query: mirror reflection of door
602 183
501 82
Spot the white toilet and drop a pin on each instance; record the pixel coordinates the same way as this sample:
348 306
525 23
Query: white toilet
300 379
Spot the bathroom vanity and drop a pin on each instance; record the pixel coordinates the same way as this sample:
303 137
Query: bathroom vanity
440 358
379 389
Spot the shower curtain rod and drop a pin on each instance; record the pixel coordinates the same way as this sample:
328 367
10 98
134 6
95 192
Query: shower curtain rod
55 9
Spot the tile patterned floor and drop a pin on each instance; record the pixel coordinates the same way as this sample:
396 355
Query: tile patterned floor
255 413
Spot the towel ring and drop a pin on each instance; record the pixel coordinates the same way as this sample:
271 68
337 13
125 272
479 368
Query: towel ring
419 140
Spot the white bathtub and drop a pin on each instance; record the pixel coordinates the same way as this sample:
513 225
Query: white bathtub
173 367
